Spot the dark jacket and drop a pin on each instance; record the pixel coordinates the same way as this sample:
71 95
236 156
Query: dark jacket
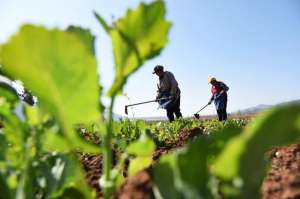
168 85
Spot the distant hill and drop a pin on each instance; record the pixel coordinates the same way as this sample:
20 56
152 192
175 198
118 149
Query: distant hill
253 110
261 107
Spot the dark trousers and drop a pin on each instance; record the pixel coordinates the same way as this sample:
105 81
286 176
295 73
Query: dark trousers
174 109
222 114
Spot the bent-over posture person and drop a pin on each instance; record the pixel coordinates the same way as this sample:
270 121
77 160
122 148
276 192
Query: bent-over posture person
219 96
168 88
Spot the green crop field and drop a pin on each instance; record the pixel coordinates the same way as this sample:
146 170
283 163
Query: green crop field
64 146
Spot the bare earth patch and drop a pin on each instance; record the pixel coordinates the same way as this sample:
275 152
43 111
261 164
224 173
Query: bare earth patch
283 179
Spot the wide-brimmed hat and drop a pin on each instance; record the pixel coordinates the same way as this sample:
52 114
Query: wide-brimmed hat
211 79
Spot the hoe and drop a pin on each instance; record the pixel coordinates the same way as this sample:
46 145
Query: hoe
146 102
197 114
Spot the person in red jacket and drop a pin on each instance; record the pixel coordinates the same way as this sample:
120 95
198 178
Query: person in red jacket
219 96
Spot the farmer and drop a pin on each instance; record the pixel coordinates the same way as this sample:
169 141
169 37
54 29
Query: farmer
168 88
219 96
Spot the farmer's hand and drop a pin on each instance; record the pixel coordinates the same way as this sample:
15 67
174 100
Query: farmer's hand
209 102
158 97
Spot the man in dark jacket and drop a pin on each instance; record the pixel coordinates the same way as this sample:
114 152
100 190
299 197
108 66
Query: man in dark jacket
219 96
168 88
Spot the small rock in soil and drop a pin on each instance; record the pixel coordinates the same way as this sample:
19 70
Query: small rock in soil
283 179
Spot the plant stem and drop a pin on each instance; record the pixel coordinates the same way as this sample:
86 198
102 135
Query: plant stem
107 155
25 186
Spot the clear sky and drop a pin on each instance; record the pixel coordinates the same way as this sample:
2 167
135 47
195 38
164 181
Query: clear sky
251 45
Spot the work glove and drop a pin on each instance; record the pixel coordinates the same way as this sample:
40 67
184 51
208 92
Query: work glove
158 97
209 102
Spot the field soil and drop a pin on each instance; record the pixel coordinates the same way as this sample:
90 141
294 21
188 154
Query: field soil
139 186
282 180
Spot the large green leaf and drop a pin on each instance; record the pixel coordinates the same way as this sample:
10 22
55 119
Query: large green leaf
138 36
49 175
165 178
85 36
8 94
219 139
143 150
139 164
6 90
243 157
71 179
5 192
15 132
143 147
184 174
60 69
57 176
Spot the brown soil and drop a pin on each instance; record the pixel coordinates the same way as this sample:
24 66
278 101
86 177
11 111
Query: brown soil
183 137
139 186
283 179
92 165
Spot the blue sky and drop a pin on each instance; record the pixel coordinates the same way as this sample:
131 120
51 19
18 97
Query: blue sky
251 45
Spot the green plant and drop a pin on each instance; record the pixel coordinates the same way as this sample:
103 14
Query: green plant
38 152
143 150
137 37
27 168
243 156
60 69
229 161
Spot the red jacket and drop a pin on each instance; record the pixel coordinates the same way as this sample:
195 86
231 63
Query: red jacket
216 89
